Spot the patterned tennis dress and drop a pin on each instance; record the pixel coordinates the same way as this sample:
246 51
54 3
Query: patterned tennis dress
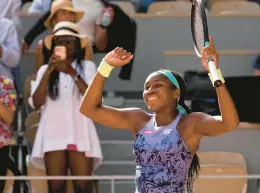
162 159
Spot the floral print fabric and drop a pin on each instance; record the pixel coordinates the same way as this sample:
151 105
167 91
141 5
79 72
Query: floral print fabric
8 99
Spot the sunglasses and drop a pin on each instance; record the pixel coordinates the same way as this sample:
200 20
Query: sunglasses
64 39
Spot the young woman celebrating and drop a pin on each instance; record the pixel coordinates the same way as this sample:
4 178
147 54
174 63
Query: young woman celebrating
166 140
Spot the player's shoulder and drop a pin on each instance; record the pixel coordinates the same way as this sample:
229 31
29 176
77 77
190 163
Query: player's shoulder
194 117
138 118
139 114
197 115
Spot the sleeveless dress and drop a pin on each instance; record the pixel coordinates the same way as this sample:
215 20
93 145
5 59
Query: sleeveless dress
162 159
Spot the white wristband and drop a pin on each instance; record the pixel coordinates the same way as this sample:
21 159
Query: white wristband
104 68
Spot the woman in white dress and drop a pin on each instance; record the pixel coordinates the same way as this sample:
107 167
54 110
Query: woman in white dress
65 139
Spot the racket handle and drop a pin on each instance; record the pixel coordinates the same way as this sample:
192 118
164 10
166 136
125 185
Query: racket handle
213 70
214 73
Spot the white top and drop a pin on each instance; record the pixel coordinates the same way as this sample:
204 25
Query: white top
92 8
61 122
10 45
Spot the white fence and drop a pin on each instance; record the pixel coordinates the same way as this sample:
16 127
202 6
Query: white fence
113 178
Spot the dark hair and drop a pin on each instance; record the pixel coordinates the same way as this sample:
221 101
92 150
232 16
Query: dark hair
53 89
195 163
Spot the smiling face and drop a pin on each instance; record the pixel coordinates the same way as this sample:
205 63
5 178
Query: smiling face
159 93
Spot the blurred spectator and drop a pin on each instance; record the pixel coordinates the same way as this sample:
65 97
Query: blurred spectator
257 1
104 23
93 11
11 10
256 65
121 33
40 6
9 47
9 58
109 27
61 10
25 1
96 19
143 5
71 140
7 110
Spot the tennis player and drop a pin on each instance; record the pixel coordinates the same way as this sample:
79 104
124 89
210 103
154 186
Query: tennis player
166 141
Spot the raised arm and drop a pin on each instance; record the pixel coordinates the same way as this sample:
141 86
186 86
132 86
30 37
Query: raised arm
38 93
40 85
208 125
39 58
36 30
91 105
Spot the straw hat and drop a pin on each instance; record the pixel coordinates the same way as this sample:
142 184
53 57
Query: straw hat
65 28
62 5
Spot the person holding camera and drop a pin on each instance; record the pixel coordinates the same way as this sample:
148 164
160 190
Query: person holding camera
65 139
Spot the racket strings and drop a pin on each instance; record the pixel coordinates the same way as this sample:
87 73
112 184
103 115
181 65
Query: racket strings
198 30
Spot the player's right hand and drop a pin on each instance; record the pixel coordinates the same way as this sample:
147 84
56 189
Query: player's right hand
209 52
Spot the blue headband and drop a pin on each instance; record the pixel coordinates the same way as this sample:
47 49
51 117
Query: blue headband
174 81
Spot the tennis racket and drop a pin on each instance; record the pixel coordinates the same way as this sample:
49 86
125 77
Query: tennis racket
199 30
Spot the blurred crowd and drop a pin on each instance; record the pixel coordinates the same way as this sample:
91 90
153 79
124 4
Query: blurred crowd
62 72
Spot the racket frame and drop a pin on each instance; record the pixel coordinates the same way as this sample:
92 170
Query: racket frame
212 67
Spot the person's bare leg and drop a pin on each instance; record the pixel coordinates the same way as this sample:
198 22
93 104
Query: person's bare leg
56 165
80 165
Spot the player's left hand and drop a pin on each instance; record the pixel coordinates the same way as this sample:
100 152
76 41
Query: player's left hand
118 57
209 52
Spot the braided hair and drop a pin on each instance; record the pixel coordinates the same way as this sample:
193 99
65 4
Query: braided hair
195 164
178 82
